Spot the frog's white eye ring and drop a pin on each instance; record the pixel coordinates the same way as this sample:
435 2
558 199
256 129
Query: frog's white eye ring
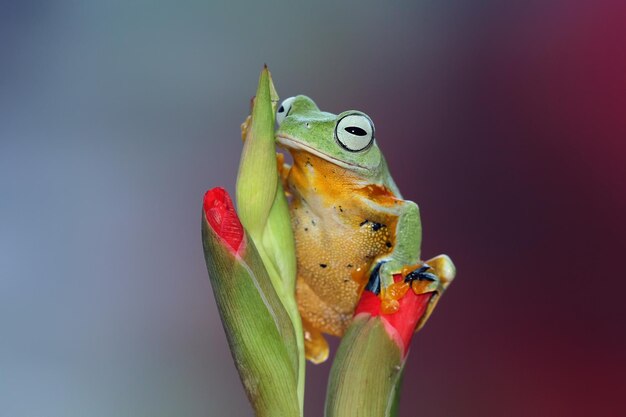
355 132
284 109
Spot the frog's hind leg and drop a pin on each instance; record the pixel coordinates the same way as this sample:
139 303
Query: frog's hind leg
314 313
318 317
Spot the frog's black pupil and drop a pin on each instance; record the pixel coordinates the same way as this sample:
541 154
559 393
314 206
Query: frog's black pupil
355 130
281 109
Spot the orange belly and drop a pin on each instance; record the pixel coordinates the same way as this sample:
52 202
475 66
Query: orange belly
338 239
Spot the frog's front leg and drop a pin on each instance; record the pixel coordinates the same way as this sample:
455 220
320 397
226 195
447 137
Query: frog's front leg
405 253
404 260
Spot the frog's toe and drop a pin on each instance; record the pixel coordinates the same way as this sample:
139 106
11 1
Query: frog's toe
315 345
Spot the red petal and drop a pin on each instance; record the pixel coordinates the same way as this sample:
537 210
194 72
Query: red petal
412 308
369 303
222 217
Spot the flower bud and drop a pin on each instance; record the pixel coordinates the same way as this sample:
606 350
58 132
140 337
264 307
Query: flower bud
259 330
264 210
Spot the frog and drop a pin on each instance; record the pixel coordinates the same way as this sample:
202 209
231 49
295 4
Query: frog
353 230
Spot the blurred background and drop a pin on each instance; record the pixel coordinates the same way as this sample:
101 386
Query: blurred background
503 120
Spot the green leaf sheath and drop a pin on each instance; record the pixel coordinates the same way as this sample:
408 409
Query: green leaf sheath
365 373
259 330
395 405
278 241
279 245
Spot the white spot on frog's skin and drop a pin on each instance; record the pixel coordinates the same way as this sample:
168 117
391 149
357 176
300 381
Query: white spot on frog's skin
308 125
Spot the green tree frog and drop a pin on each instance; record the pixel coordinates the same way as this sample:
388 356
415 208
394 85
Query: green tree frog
352 227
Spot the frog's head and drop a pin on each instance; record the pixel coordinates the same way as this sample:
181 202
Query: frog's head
346 140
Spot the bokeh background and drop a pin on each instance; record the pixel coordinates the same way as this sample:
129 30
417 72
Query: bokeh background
503 120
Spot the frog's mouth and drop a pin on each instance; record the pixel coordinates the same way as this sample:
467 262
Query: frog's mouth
292 143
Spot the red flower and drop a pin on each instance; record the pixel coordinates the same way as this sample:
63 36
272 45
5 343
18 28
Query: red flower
222 217
401 324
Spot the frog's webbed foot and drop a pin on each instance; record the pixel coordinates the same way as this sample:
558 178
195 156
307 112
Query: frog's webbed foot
443 270
383 283
382 276
433 276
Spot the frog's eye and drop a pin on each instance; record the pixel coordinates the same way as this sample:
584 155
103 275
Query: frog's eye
355 132
284 109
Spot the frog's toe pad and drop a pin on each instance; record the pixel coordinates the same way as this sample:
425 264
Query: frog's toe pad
315 346
444 268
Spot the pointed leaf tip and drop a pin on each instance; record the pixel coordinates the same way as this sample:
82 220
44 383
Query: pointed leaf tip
222 217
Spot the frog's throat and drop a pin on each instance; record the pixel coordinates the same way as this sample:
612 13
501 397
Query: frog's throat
292 143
